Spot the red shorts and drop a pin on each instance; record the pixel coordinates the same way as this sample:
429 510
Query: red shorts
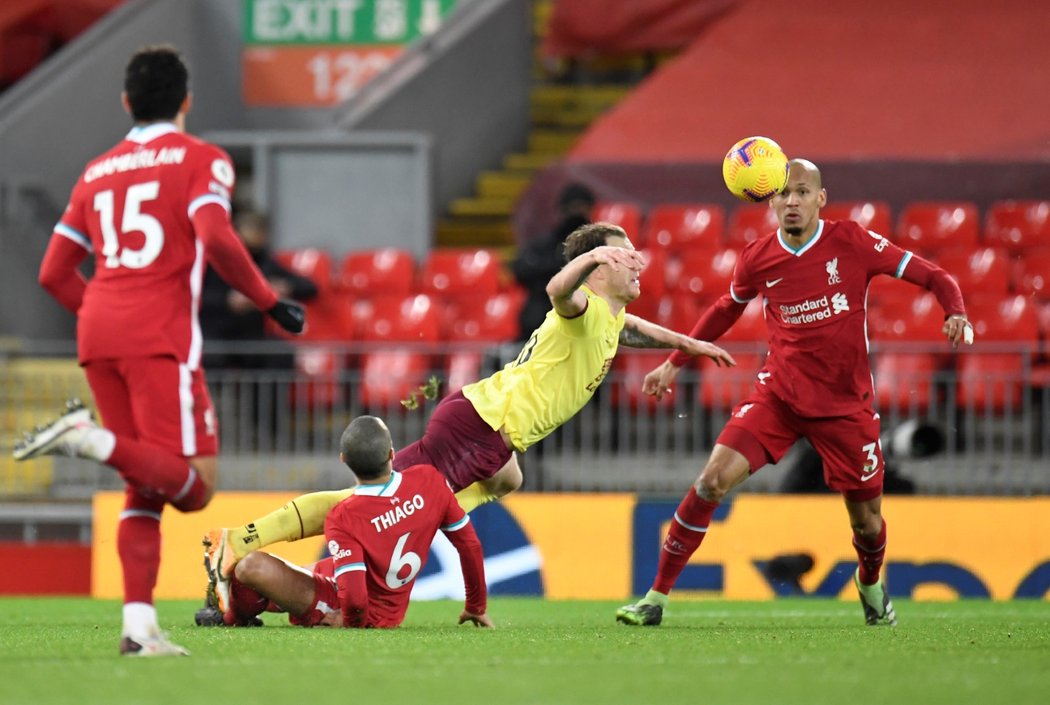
763 428
458 443
326 598
157 400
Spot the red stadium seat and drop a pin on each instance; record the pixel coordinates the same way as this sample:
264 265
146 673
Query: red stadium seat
461 368
750 327
905 381
653 280
985 270
313 263
679 228
749 222
706 275
413 318
382 272
456 271
725 387
932 226
918 318
318 371
1032 274
627 215
651 308
993 380
491 319
873 215
1018 225
629 368
390 374
680 312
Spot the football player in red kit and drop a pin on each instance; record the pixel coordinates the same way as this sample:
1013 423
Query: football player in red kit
153 210
378 541
816 381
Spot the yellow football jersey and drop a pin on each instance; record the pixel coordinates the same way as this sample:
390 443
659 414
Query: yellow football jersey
554 375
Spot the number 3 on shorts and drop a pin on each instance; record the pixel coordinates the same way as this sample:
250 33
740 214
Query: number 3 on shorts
871 468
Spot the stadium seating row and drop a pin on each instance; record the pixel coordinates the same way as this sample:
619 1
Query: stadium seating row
923 227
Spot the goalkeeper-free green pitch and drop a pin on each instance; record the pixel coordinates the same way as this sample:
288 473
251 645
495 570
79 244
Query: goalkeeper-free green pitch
805 651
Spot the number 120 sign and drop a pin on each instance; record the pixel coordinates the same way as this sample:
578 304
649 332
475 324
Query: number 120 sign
317 53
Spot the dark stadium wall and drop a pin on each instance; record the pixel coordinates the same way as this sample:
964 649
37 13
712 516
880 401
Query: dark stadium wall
895 101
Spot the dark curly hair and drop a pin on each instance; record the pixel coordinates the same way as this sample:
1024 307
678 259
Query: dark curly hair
156 82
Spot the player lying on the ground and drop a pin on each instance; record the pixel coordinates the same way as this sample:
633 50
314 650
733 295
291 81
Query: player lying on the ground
472 435
378 538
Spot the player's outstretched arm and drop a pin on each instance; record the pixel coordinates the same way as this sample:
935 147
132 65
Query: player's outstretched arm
461 534
640 333
564 287
658 381
931 277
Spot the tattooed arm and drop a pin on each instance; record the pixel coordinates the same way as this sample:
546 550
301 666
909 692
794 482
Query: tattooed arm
640 333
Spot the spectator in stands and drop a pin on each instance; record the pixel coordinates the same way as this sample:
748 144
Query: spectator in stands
150 210
228 315
474 435
540 259
816 382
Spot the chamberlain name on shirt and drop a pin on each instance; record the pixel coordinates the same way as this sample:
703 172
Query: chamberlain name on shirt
814 310
139 159
402 510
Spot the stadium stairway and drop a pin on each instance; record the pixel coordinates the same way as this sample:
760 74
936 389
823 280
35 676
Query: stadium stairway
560 111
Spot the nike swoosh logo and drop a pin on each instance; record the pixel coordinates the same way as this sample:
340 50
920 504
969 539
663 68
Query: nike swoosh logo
771 284
873 473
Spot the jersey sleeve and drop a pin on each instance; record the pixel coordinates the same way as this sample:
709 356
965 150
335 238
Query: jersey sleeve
460 532
69 246
350 572
879 255
742 288
212 180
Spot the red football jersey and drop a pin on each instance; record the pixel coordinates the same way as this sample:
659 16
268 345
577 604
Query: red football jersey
385 531
132 207
815 313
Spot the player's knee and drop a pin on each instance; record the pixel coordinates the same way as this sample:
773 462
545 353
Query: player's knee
867 526
196 501
709 487
249 568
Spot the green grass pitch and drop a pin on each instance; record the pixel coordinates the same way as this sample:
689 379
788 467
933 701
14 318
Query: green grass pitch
804 651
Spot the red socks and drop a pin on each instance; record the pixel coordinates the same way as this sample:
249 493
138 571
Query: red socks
138 544
870 554
245 604
154 471
688 528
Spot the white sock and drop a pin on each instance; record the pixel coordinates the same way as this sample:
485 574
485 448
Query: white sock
98 444
140 620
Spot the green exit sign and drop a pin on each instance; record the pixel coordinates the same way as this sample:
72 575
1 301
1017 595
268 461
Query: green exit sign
319 22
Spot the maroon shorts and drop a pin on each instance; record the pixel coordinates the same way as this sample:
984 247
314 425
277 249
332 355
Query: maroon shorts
763 428
157 400
458 443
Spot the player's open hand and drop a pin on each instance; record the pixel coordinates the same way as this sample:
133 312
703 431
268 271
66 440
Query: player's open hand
702 348
658 381
957 329
479 620
617 257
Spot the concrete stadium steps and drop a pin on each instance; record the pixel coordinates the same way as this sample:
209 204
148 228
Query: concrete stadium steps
559 113
475 232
